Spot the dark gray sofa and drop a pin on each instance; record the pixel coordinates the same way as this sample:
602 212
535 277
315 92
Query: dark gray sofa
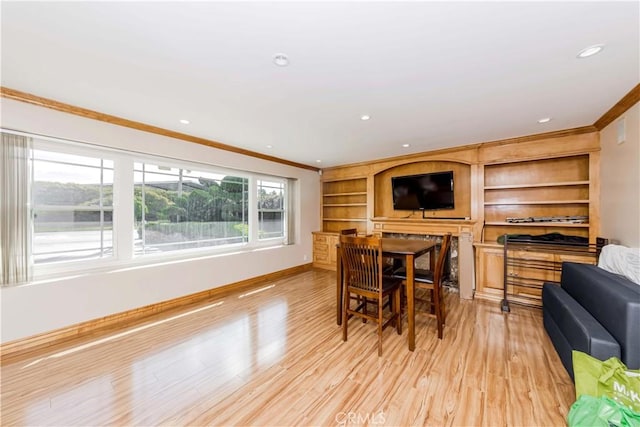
593 311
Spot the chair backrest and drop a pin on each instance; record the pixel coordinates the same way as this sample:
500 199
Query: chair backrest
349 232
362 261
442 259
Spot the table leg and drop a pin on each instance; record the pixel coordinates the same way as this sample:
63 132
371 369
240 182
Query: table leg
432 267
410 302
339 280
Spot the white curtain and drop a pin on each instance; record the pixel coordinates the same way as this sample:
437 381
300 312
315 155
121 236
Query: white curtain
291 210
15 221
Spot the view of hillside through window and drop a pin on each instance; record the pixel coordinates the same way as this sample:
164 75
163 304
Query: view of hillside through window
72 207
174 208
179 209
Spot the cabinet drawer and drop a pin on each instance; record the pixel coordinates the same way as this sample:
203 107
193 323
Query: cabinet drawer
534 272
319 238
320 247
321 257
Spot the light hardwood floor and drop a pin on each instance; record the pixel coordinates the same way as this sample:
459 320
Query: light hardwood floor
276 357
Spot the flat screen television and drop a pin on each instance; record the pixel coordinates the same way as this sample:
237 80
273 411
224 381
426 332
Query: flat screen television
429 191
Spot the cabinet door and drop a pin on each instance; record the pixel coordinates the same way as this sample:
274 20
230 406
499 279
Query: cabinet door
321 249
527 271
331 247
324 250
489 280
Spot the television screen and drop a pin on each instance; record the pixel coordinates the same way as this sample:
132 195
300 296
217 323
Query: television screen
428 191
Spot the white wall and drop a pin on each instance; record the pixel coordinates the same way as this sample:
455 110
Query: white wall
620 181
43 306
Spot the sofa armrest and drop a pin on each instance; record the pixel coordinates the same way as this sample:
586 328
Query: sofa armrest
612 300
571 327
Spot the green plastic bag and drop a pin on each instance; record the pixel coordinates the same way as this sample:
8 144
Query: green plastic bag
610 378
589 411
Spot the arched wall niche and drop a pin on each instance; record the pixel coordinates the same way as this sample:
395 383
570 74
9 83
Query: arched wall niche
383 197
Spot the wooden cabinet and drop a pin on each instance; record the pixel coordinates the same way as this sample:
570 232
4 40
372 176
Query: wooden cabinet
526 271
324 249
344 205
489 271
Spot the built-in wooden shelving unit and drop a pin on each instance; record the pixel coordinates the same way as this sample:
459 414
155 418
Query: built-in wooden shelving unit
344 204
537 180
541 188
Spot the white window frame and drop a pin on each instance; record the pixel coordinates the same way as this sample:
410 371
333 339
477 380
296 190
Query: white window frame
123 209
282 239
55 268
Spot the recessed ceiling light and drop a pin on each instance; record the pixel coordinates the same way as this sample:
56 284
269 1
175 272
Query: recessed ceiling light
406 145
544 120
269 146
365 117
318 161
281 59
184 121
590 51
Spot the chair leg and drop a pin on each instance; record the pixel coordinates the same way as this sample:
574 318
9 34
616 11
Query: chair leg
380 328
432 302
403 297
396 309
345 317
443 311
439 324
364 308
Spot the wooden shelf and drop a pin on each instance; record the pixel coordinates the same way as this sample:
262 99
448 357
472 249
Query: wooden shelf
344 204
539 202
537 185
538 224
357 193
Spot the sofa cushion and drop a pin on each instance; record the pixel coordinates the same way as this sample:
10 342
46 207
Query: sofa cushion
612 300
571 327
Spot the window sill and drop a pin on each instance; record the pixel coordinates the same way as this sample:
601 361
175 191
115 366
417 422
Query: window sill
47 274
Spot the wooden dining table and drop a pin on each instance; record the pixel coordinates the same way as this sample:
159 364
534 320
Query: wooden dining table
407 249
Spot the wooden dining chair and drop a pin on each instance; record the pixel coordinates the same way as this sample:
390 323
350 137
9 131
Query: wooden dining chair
431 281
349 232
358 298
363 268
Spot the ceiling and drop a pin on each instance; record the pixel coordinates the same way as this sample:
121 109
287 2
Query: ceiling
430 74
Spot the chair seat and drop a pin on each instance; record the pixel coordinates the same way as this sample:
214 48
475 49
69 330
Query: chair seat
422 276
389 283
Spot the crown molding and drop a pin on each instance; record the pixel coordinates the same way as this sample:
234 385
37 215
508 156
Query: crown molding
627 101
478 145
119 121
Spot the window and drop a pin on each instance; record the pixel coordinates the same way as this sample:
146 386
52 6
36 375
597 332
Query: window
72 199
88 207
177 208
271 209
